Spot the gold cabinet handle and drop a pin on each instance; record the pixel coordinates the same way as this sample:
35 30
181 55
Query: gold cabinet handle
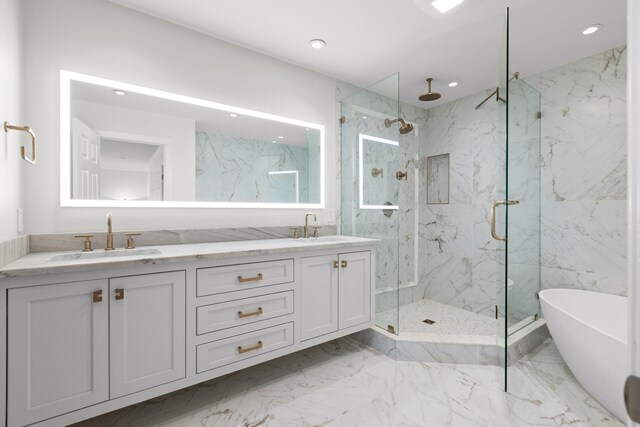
343 264
242 315
119 293
97 296
250 279
335 264
252 348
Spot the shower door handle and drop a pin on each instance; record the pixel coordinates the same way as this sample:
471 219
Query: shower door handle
494 205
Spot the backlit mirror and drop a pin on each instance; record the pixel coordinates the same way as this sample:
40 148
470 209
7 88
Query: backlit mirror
126 145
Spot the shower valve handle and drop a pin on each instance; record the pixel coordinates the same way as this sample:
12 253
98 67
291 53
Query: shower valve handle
401 175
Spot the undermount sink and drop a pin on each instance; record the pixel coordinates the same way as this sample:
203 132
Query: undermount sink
104 254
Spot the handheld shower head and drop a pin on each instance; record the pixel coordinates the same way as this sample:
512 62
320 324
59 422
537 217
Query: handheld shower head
404 126
429 96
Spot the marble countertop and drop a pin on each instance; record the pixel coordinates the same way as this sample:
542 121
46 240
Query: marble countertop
71 261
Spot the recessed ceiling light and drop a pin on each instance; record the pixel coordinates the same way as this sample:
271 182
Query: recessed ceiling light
119 92
317 43
274 142
306 128
280 137
233 115
444 6
592 29
453 84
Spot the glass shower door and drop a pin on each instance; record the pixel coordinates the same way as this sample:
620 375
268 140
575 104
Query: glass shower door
370 158
516 211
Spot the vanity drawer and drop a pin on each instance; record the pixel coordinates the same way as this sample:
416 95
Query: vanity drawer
223 352
215 317
216 280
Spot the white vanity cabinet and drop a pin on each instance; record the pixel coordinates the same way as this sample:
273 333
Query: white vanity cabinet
83 343
147 330
58 356
76 344
335 293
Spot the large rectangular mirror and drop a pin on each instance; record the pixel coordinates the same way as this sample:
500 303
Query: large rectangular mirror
126 145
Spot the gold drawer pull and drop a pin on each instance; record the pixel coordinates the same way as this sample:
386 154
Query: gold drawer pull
258 312
250 279
97 296
335 264
343 264
252 348
119 293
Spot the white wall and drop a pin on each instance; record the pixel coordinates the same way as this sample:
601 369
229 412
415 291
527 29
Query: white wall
181 170
10 110
100 38
114 184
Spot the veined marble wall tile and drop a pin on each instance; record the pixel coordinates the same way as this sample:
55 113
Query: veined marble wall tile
236 169
447 229
524 170
586 165
559 278
585 237
586 94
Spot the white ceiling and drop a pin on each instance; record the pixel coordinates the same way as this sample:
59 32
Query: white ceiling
368 40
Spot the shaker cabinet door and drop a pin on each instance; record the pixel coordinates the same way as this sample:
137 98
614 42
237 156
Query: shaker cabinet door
147 331
318 296
57 357
354 289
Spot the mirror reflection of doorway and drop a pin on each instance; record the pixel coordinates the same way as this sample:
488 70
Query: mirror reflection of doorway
130 170
117 166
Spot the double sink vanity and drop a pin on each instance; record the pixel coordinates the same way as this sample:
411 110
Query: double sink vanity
91 332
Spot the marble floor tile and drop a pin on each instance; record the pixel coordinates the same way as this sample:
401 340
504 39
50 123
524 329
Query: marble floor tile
343 383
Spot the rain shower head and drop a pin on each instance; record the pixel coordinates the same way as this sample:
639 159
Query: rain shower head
429 96
404 127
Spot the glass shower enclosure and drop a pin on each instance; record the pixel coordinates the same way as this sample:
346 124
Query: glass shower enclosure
370 157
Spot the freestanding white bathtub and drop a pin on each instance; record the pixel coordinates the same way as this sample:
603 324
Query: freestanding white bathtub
590 331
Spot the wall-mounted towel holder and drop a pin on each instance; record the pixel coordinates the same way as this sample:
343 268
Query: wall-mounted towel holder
27 129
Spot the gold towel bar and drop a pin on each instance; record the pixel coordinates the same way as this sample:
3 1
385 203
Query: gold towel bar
27 129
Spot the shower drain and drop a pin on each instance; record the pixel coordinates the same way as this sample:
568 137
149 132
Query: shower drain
429 321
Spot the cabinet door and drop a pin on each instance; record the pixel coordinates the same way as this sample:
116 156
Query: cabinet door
318 296
58 348
147 331
354 289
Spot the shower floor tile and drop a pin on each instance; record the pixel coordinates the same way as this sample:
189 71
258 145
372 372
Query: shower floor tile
448 320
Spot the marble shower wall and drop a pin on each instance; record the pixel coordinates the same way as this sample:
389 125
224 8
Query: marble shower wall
364 113
584 174
582 198
458 258
233 169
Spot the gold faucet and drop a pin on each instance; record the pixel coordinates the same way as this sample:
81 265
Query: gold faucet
109 234
306 224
